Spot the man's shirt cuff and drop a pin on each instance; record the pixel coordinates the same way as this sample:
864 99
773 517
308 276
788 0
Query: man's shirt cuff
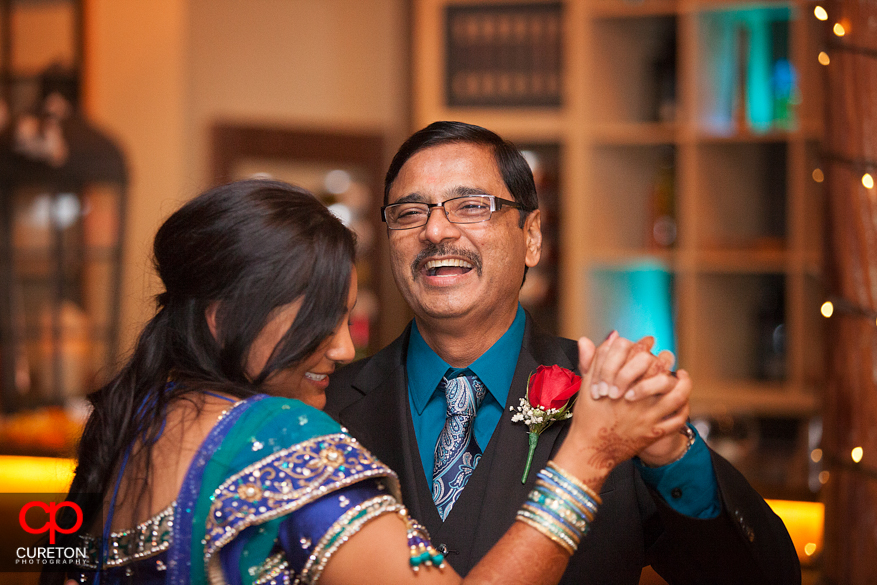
688 485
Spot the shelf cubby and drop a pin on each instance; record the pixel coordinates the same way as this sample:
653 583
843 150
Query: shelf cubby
746 78
637 75
741 196
743 323
625 178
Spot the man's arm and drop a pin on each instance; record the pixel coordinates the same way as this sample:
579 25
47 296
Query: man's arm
746 543
726 535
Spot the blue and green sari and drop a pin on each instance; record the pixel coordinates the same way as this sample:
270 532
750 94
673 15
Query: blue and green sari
275 488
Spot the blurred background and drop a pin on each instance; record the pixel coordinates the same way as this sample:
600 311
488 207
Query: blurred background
676 144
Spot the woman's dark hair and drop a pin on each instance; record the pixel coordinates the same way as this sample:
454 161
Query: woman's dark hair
248 247
515 171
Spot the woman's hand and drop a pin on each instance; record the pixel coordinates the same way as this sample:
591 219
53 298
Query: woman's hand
612 370
605 432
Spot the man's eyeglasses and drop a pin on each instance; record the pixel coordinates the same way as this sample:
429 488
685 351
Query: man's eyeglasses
466 209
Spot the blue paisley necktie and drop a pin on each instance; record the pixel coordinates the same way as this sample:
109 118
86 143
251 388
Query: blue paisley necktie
456 452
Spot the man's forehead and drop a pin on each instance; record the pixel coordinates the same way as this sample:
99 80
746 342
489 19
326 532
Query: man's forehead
473 153
428 177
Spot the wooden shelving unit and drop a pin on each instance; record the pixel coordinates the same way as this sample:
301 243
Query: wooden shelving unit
748 250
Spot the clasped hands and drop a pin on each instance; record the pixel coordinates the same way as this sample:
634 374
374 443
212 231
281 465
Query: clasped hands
631 402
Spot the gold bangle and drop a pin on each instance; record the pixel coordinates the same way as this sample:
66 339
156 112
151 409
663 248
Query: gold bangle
537 524
573 503
575 481
567 491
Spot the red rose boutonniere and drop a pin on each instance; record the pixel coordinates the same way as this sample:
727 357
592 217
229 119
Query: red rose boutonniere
550 393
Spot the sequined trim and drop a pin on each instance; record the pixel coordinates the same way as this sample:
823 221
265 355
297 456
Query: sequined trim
145 540
92 552
274 571
283 482
141 542
346 526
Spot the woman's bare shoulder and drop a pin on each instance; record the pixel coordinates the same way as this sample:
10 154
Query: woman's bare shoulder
152 477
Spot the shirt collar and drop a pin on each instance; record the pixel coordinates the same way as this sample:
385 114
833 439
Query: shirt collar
495 368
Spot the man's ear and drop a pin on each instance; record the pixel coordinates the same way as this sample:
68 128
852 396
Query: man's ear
210 317
533 238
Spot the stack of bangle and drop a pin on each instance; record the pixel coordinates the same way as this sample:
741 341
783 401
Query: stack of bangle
560 507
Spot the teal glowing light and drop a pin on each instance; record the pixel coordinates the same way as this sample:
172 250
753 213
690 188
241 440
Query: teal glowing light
746 55
636 300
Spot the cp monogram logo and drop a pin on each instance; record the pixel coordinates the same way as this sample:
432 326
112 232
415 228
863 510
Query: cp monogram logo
51 524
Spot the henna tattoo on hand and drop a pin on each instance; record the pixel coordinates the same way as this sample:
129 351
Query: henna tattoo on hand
612 448
661 365
644 344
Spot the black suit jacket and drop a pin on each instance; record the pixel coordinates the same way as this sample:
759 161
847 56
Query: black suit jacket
747 543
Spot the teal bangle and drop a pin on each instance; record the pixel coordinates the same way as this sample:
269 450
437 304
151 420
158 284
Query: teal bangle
560 507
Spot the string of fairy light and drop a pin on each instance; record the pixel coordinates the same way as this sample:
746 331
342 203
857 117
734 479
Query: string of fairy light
841 305
841 28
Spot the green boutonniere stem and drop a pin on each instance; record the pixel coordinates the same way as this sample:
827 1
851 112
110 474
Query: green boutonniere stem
533 439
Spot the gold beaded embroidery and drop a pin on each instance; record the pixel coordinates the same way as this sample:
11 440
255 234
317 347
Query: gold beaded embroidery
283 482
346 526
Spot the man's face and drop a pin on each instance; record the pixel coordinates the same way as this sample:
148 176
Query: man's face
447 270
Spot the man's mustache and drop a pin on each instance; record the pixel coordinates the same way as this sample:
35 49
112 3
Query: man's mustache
434 250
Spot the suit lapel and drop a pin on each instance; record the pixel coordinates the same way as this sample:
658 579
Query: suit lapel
488 504
381 421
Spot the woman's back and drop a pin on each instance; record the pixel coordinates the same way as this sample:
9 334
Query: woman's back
152 477
133 535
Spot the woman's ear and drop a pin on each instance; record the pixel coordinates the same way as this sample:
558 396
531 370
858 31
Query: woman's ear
210 317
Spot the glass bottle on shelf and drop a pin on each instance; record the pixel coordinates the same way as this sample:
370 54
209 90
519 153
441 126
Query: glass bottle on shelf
661 227
664 79
771 343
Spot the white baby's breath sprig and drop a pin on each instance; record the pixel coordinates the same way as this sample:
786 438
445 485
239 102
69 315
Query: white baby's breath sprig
538 419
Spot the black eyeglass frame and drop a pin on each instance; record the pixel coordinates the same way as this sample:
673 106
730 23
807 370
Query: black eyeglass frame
496 204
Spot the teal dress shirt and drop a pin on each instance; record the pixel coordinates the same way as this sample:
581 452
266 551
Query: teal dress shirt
495 368
688 485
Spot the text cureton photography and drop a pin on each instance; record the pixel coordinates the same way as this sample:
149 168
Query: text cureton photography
42 531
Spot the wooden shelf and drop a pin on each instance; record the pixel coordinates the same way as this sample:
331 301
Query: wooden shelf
532 124
717 396
633 9
774 136
610 257
643 133
711 5
742 261
747 213
804 131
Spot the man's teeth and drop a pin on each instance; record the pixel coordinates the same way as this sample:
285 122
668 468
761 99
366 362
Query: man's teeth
451 262
315 377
